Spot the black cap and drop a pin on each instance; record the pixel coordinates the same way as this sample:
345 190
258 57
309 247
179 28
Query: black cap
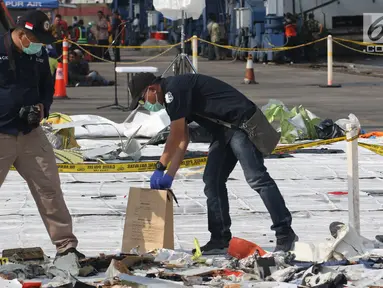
37 23
137 86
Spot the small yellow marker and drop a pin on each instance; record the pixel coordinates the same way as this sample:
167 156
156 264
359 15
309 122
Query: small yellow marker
3 260
197 253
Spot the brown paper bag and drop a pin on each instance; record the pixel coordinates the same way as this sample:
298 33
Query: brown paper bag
149 220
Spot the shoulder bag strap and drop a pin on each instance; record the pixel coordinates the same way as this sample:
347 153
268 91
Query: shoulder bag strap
219 122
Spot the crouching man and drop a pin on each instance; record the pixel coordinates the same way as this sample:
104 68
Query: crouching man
240 133
26 94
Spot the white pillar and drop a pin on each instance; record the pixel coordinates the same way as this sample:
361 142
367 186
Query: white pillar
329 61
353 177
195 52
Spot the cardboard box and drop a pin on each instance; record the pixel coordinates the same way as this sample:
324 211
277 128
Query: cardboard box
149 220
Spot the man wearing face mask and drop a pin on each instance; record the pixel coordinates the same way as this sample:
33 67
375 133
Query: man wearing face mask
26 94
240 133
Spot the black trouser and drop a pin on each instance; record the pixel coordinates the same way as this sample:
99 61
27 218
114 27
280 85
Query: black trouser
310 50
293 54
214 52
117 54
103 51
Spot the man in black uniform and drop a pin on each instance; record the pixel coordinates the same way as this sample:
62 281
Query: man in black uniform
26 94
193 97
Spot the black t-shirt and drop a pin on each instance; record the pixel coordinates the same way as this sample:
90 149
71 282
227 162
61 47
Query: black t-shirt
191 94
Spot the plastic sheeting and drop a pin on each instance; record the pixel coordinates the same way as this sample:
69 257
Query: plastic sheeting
93 126
172 9
298 123
63 138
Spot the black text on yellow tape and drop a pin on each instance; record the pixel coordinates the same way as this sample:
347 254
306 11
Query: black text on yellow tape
3 260
372 147
129 167
124 167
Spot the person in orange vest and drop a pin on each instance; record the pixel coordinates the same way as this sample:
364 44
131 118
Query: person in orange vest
291 37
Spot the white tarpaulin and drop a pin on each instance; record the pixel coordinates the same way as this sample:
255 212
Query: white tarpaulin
172 9
93 126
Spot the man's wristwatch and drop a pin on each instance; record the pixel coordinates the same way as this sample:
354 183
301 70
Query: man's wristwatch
160 166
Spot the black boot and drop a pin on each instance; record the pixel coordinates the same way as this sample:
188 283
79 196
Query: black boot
214 247
286 242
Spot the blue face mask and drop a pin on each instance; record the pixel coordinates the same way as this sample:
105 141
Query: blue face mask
153 107
33 48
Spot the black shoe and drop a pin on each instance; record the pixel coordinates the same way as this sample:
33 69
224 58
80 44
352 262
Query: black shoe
214 247
71 250
286 243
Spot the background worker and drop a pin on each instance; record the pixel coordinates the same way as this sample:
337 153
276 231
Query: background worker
92 39
81 36
116 34
81 33
26 94
192 97
291 38
314 30
79 73
136 30
102 36
59 31
123 33
215 37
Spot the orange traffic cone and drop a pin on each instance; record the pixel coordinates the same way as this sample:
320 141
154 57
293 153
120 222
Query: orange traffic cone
60 90
249 75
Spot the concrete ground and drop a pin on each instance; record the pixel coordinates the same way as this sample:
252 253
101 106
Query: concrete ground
360 95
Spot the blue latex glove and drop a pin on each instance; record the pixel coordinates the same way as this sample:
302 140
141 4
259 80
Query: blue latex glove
155 179
166 182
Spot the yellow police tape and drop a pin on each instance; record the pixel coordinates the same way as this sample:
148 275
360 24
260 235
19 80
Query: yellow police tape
356 50
129 47
124 167
357 42
372 147
126 63
280 48
230 47
147 166
295 147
